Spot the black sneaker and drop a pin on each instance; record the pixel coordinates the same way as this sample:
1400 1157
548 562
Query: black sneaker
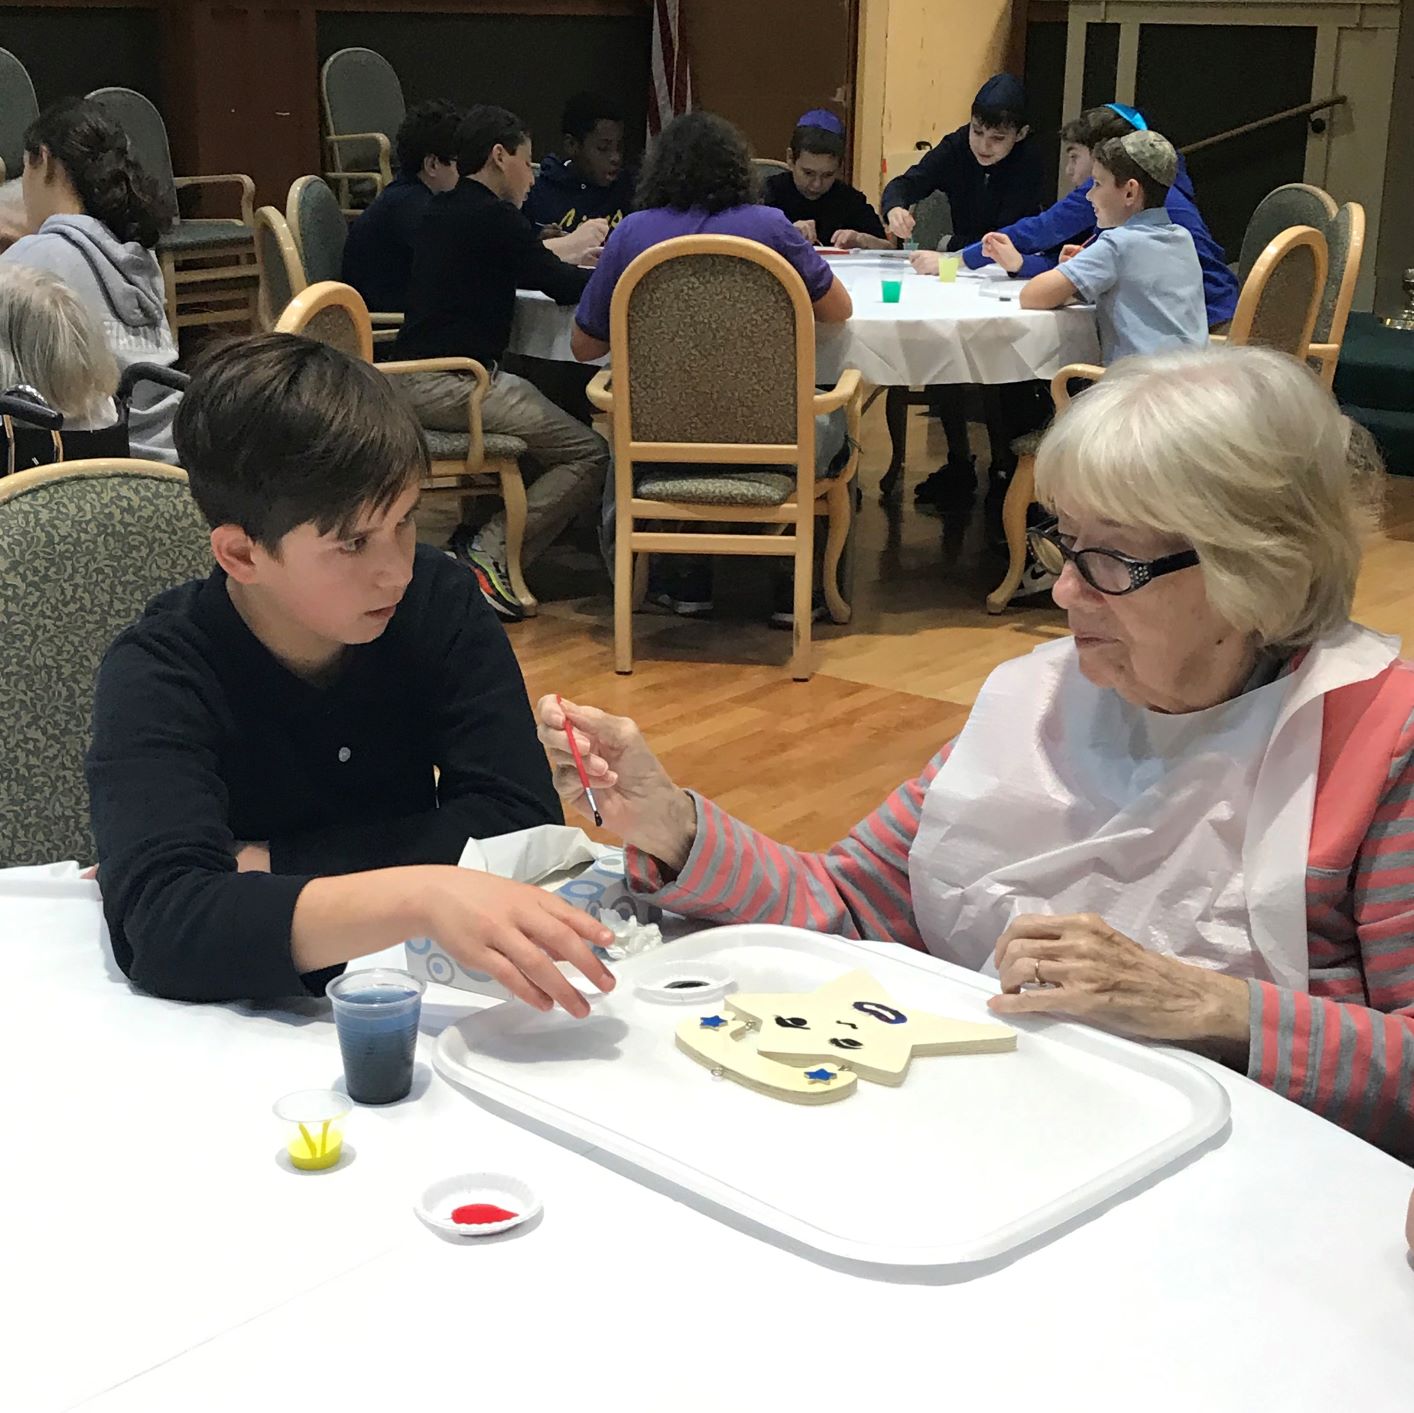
783 615
953 483
685 589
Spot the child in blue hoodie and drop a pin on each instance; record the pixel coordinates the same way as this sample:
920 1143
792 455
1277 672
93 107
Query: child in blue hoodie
590 182
1031 246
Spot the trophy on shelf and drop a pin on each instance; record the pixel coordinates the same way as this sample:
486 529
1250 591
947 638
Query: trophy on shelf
1404 320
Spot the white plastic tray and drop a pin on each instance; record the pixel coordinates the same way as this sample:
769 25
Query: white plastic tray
971 1156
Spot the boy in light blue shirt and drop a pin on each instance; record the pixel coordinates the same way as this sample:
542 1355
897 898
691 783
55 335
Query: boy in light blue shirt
1141 270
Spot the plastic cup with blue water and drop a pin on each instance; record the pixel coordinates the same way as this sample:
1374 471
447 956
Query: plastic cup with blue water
376 1013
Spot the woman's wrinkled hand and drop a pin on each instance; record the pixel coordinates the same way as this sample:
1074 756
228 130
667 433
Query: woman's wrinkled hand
1079 966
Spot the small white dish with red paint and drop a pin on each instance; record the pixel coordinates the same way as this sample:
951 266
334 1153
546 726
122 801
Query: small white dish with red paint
466 1205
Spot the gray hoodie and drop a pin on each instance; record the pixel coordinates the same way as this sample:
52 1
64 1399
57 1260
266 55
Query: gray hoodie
122 284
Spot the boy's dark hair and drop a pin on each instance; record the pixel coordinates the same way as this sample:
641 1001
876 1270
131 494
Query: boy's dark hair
1094 126
483 128
429 130
94 151
699 159
1110 155
277 431
585 111
820 141
1007 119
1001 103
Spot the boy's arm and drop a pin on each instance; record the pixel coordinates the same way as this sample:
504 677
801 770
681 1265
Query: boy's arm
932 172
493 777
536 267
1047 291
1071 218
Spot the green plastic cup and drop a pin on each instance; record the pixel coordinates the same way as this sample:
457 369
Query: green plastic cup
948 267
892 290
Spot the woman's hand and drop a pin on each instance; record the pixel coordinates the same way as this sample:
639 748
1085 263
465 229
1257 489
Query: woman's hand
924 261
1080 966
901 222
635 795
999 247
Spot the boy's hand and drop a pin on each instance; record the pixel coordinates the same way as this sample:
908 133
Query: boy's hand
999 247
1069 252
807 229
848 240
901 222
253 858
924 261
514 933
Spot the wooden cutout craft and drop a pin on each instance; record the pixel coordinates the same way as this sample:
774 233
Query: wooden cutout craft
808 1047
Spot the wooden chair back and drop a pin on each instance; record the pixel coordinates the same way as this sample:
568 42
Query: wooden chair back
319 227
1295 204
1280 299
281 270
332 313
1345 239
363 106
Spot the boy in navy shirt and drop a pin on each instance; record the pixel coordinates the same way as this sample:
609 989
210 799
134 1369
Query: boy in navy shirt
378 253
289 756
824 209
590 182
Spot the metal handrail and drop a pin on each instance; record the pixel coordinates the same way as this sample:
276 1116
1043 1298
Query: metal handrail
1304 111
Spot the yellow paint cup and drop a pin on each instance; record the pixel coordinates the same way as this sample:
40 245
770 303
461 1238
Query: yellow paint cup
948 267
316 1117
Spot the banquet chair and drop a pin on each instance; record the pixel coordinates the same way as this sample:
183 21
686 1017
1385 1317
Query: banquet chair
18 109
764 168
363 108
209 270
1295 204
1345 242
84 546
714 363
1277 308
281 271
320 231
470 464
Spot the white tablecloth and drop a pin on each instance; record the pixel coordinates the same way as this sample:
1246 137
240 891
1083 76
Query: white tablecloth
157 1257
970 331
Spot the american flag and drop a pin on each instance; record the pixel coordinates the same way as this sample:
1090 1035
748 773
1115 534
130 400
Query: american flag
670 91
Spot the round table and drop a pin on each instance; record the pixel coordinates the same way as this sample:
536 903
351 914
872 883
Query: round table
970 331
158 1257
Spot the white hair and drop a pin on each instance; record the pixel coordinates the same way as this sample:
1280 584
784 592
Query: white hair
51 340
1241 453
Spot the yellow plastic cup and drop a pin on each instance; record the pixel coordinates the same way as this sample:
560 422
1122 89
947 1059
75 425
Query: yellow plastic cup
316 1118
948 267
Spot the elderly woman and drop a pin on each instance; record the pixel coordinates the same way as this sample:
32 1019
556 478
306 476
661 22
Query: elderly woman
1191 821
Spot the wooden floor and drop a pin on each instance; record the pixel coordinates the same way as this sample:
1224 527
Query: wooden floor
804 761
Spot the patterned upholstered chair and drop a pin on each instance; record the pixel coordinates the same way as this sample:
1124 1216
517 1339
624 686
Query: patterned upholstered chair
1295 204
363 109
83 546
281 270
209 268
1282 293
714 362
18 109
320 230
468 464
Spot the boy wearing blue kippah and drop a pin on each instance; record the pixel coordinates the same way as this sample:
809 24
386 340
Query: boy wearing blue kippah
824 209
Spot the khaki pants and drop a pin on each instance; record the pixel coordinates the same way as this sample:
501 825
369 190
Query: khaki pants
570 459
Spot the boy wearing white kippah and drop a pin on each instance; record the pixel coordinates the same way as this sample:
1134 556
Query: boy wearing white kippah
1141 270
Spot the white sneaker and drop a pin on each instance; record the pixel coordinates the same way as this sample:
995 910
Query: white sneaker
1034 580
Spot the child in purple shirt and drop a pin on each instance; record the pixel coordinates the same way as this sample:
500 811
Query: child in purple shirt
697 180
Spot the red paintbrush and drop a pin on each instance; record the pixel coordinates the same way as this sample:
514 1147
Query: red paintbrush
579 764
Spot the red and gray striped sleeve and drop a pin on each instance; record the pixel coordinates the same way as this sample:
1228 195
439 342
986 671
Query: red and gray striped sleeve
1346 1050
858 888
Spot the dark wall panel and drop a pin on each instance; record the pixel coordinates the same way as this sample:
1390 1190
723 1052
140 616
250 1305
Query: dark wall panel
1044 77
1248 72
1097 84
71 52
527 63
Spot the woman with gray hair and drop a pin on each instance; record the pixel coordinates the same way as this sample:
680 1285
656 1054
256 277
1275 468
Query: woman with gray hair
1192 820
51 341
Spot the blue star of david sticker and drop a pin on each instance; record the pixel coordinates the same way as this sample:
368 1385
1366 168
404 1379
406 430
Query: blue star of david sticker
820 1076
712 1022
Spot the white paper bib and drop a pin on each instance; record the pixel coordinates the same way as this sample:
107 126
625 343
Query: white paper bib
1187 833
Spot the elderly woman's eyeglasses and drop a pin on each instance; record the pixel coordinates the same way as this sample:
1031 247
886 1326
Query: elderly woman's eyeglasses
1108 571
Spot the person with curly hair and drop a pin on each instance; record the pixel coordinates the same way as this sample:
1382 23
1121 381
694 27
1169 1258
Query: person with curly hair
96 216
697 180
